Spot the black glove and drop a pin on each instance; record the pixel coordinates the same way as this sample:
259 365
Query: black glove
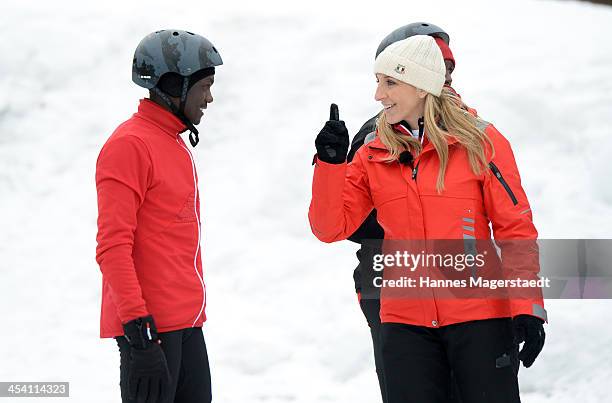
148 374
333 140
529 329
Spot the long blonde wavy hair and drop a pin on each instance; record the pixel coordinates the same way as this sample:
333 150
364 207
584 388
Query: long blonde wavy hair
445 116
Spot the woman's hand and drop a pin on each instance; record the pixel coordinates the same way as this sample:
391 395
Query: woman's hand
529 329
332 142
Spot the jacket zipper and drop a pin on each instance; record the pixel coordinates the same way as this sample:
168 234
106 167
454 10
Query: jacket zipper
501 179
421 123
195 198
415 171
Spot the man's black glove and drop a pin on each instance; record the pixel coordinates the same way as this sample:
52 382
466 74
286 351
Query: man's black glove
333 140
529 329
148 374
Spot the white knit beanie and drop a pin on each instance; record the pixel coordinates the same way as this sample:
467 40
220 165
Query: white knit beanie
416 60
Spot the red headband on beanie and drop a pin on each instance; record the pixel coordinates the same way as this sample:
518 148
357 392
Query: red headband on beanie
446 52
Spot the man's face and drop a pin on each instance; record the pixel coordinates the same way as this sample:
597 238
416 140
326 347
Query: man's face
450 67
198 98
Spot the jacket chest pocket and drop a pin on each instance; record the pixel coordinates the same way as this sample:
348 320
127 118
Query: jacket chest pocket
387 184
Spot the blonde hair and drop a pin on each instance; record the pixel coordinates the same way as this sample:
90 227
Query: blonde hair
445 116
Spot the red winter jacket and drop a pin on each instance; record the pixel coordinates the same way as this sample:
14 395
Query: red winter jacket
149 225
410 208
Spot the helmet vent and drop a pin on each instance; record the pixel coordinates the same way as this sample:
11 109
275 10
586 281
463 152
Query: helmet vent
215 49
190 33
175 33
424 25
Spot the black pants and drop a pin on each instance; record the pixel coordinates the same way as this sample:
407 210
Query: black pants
371 310
481 354
187 358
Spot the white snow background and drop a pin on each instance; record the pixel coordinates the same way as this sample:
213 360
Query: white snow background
283 321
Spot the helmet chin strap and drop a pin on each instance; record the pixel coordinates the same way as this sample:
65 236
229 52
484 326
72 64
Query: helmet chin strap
192 130
179 112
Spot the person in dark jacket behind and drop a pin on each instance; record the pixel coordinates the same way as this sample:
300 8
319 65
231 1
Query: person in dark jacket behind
149 232
370 233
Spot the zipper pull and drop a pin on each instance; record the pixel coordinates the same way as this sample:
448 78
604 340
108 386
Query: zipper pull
415 171
421 123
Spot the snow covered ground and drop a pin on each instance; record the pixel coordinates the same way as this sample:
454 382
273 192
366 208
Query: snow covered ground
283 324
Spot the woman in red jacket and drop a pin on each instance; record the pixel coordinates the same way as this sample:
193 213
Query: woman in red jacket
447 179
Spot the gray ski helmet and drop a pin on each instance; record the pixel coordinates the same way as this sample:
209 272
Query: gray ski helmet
171 51
416 28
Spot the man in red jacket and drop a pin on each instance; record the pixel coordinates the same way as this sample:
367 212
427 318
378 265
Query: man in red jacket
153 292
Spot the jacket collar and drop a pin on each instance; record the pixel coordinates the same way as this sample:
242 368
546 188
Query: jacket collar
404 128
160 117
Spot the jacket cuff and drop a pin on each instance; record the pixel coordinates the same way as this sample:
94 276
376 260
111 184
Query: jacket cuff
527 307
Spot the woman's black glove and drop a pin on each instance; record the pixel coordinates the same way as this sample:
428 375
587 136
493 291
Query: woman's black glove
333 140
148 374
529 329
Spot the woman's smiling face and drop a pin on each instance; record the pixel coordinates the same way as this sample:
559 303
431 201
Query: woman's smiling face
400 101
